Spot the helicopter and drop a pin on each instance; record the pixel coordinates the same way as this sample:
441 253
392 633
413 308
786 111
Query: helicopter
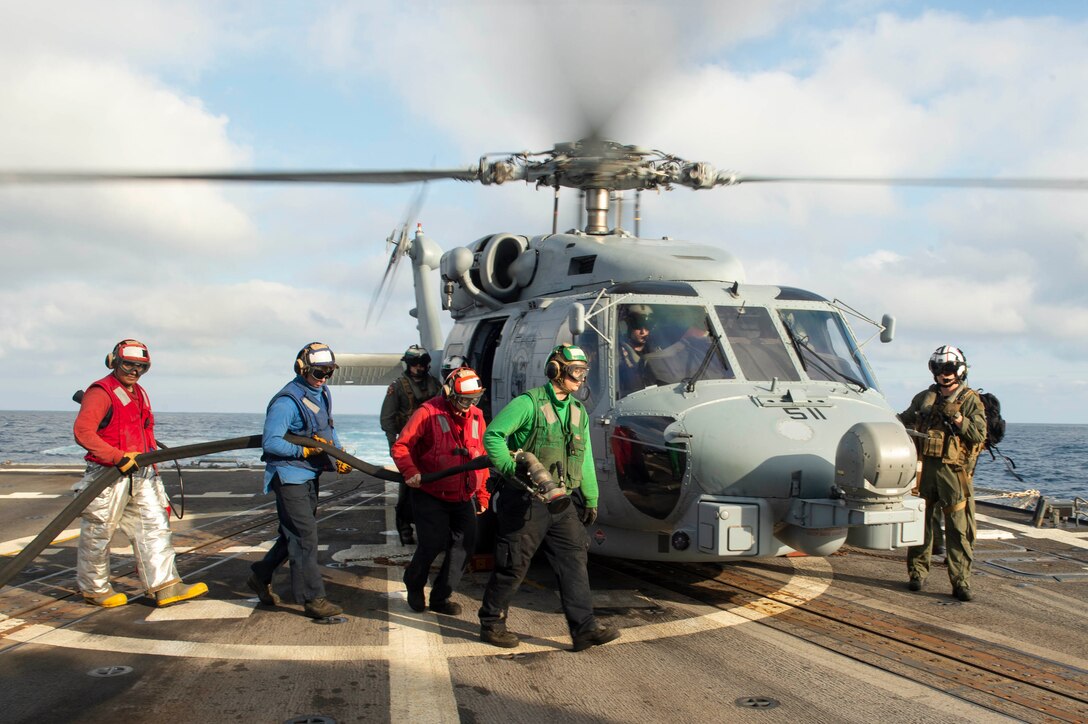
751 426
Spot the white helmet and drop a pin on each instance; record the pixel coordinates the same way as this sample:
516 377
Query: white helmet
948 360
452 362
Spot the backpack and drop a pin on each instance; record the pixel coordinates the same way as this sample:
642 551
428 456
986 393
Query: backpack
995 423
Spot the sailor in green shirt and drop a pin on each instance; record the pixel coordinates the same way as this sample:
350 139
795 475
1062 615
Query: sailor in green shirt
550 423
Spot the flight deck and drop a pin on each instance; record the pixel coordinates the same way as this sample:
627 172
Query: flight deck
771 640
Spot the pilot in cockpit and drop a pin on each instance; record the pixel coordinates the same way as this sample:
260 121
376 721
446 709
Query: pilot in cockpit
636 342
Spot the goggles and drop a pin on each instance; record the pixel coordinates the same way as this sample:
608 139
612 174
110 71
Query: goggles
133 368
944 368
321 373
465 401
576 372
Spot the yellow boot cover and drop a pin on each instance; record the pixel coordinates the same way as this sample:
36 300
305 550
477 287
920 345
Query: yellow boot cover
179 592
110 599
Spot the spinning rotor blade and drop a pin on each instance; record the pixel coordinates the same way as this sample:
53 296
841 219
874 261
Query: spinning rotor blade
332 177
1051 184
400 249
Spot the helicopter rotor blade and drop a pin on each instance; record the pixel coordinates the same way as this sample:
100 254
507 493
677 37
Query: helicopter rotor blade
471 173
1041 183
400 250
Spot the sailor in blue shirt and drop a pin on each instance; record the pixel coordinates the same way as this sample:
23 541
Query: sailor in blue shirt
303 407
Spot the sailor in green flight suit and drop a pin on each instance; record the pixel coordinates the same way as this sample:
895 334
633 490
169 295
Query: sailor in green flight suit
551 424
953 420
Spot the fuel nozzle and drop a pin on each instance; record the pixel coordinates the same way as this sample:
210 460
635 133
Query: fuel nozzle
538 481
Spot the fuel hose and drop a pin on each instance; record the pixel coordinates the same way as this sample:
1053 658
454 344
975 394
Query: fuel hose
109 475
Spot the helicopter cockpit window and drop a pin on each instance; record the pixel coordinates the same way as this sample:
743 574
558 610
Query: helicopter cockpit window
650 471
826 347
760 351
663 344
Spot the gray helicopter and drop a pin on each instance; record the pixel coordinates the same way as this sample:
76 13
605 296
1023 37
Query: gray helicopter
729 420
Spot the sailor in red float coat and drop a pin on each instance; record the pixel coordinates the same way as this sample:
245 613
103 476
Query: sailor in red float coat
446 431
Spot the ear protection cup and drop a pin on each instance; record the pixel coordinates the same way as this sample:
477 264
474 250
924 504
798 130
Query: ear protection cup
552 370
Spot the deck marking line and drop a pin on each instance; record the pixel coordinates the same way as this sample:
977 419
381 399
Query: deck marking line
420 689
14 547
1030 532
798 587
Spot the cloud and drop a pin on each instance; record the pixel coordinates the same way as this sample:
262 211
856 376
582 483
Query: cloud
215 275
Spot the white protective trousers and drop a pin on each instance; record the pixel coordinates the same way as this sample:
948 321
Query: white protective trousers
138 506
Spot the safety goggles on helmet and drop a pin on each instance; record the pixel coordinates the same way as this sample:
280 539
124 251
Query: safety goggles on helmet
322 373
576 372
944 368
416 355
133 368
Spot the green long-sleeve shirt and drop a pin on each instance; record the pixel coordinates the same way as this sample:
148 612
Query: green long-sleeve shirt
511 427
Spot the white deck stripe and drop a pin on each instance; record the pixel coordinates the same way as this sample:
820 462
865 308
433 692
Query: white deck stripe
14 547
1031 532
420 689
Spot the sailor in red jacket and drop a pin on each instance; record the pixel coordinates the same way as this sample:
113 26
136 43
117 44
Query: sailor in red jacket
447 431
114 425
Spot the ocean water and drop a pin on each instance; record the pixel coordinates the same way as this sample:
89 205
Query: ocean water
1050 458
46 437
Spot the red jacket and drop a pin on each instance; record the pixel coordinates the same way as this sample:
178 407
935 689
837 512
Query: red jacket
131 427
435 438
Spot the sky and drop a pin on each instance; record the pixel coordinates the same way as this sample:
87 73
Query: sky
226 282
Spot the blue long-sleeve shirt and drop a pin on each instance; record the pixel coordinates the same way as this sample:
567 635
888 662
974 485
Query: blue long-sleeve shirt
283 417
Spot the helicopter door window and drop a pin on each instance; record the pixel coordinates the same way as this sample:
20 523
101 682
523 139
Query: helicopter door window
650 471
826 347
681 344
760 351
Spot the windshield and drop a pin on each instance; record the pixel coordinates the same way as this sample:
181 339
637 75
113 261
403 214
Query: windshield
825 346
756 342
663 344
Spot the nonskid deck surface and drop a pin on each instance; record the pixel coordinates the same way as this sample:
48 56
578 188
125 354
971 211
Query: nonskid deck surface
786 639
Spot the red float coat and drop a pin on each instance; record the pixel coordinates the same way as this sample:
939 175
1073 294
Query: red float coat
436 438
131 427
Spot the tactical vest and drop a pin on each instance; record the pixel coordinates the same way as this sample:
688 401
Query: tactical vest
552 444
129 425
316 420
414 403
940 442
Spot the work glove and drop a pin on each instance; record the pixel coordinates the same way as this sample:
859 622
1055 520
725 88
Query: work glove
589 516
128 463
309 452
342 468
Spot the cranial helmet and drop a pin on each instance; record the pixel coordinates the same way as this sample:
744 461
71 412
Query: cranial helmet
315 354
948 360
463 388
638 315
416 355
451 363
563 356
128 350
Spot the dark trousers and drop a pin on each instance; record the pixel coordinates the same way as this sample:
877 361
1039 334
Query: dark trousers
403 510
296 506
441 527
524 526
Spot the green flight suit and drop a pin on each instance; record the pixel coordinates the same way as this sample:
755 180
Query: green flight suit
948 458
